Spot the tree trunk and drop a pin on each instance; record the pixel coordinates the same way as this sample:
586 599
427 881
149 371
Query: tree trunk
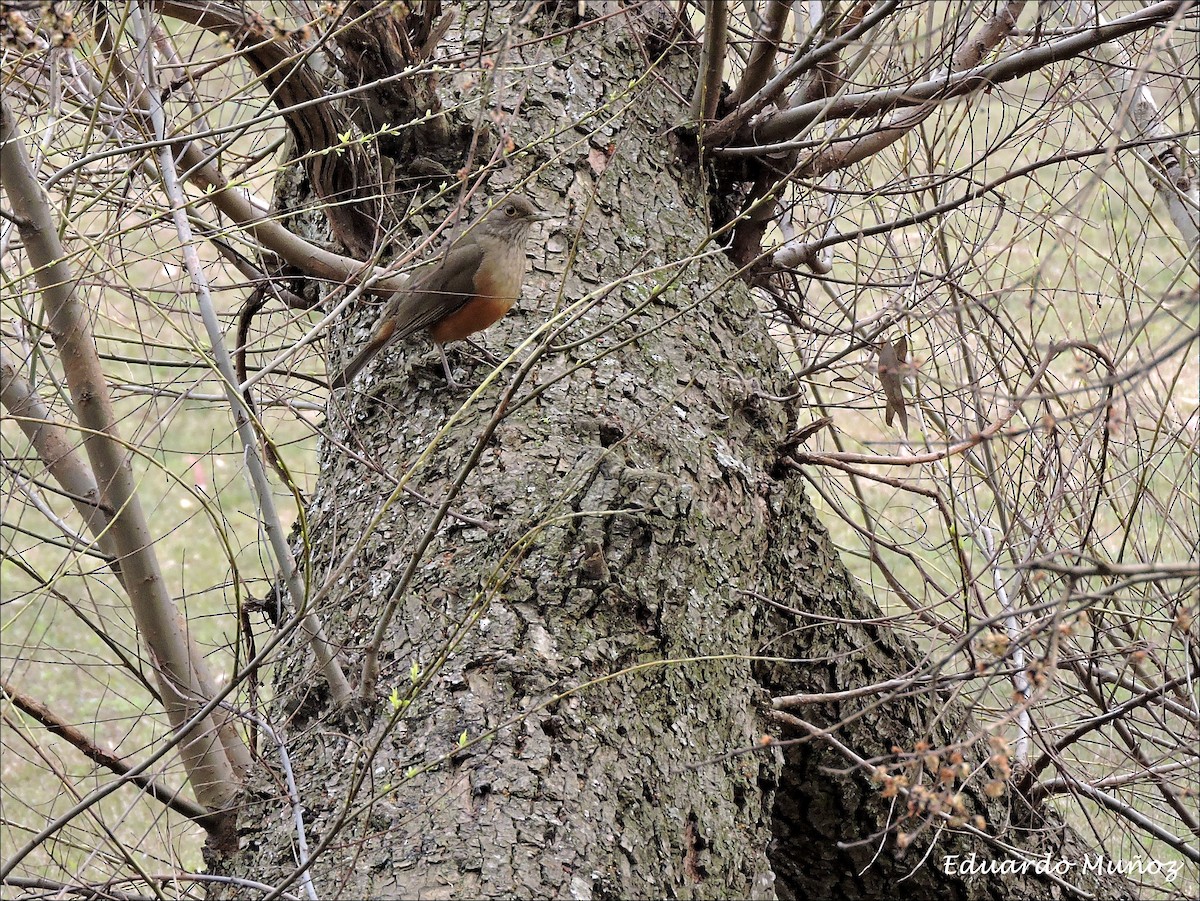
576 708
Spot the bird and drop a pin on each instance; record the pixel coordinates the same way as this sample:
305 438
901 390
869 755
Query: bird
464 290
891 377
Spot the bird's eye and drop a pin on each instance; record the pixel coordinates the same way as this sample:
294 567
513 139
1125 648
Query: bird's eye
510 211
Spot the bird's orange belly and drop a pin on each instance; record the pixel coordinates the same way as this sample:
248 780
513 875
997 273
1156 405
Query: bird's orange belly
471 318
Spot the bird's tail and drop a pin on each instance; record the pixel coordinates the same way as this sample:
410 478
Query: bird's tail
378 342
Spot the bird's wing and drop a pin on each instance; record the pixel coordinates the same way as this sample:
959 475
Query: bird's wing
437 290
434 291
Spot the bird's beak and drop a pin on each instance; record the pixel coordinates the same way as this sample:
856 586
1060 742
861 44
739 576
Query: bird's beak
543 217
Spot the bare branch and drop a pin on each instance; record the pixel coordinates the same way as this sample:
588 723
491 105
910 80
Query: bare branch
712 61
56 450
181 675
990 34
107 759
762 54
724 131
330 669
773 132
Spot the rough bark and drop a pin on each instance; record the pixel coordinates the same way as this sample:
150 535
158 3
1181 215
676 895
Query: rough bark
632 469
601 628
